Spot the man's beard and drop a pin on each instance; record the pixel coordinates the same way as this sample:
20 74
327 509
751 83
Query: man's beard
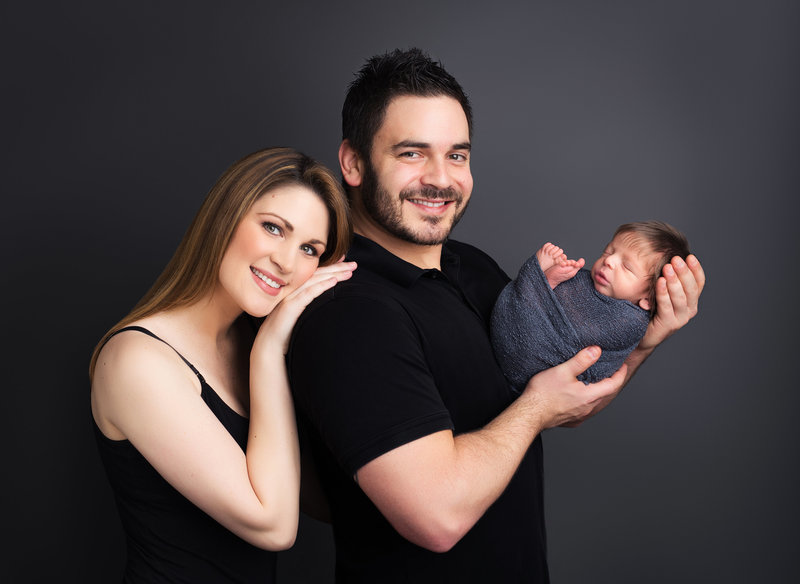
387 210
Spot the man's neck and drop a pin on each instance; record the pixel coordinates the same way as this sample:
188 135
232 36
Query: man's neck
422 256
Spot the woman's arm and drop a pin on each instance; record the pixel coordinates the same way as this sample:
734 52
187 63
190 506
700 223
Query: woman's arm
143 392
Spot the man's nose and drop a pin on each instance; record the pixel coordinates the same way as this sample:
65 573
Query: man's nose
437 174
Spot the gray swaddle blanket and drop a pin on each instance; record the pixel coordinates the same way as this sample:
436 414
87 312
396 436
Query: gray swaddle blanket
534 327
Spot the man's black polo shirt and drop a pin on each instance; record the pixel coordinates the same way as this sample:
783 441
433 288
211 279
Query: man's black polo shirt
392 355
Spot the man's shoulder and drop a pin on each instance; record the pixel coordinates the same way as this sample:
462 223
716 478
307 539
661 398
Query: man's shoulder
365 293
364 284
466 250
472 258
356 311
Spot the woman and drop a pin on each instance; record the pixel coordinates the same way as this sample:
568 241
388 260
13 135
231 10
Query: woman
200 495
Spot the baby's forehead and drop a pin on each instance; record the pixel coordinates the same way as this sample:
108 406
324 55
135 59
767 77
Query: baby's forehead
639 245
634 241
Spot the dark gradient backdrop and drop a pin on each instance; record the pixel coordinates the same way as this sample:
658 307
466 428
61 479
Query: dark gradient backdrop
118 117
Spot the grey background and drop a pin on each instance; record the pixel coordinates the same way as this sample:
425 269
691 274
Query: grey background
118 117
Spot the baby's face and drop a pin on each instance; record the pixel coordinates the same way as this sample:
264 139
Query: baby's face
625 270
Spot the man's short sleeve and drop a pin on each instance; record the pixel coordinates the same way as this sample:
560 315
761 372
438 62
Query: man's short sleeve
359 374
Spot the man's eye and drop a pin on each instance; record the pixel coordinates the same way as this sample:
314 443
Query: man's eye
459 157
409 154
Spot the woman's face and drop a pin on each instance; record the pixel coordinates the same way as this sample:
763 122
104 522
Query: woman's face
274 249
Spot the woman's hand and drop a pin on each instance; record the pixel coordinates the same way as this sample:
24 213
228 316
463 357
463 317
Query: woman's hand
277 327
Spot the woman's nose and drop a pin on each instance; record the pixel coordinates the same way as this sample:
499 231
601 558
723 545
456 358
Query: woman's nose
283 258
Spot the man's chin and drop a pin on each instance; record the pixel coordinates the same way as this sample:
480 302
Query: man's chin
430 238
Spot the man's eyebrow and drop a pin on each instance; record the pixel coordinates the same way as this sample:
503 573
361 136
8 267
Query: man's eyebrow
414 144
410 144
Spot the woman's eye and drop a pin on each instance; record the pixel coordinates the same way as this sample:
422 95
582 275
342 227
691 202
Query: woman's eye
309 250
271 228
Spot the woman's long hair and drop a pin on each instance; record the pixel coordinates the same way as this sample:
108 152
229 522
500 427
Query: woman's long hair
193 270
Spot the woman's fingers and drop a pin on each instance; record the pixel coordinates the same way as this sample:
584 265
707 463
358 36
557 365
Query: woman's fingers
280 322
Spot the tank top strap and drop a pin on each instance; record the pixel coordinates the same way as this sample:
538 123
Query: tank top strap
149 333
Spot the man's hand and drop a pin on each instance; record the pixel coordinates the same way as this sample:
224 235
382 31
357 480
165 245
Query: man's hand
433 489
677 294
562 400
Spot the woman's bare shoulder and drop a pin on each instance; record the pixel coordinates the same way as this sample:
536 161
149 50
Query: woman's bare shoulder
133 368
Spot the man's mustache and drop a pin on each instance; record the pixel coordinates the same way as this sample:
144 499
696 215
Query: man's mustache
432 193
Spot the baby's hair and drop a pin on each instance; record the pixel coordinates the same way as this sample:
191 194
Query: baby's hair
662 239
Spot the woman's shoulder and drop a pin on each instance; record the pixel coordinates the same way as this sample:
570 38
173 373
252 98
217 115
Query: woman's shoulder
133 341
133 369
138 353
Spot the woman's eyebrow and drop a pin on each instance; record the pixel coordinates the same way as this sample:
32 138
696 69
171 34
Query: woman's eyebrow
286 223
290 227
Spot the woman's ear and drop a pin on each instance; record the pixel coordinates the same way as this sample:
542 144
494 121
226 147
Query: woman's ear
351 164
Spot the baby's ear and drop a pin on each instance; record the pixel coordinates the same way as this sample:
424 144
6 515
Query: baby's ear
644 304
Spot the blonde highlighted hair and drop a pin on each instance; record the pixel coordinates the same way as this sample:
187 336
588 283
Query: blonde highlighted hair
192 272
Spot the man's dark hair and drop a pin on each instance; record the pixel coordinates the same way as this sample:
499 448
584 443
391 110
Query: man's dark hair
384 77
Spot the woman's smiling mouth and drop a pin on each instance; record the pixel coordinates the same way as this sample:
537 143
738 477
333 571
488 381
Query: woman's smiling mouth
269 285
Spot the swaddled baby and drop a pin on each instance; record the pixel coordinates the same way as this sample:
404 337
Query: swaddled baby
554 308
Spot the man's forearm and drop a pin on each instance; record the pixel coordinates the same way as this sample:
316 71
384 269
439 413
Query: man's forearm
434 489
634 361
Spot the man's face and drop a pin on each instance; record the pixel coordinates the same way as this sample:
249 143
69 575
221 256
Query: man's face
417 184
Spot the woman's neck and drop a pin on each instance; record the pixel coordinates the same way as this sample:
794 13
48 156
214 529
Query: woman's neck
207 318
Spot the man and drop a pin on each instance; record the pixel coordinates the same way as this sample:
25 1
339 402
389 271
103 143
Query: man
431 467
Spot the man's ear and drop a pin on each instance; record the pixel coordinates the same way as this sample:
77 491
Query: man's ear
644 303
351 164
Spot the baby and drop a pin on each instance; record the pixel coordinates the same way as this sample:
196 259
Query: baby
554 308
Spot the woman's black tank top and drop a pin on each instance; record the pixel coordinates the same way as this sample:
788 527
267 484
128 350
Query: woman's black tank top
168 538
